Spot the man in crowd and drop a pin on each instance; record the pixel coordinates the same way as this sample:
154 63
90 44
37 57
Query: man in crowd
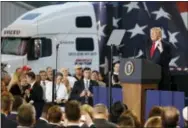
6 107
18 101
26 116
61 94
42 122
55 116
185 116
100 115
49 71
34 94
73 114
78 72
170 117
43 82
82 90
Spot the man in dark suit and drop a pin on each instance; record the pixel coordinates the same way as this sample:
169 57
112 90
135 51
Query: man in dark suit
26 116
42 122
100 115
6 107
82 90
159 52
34 94
18 101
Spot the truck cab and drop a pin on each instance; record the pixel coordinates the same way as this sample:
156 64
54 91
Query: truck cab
57 36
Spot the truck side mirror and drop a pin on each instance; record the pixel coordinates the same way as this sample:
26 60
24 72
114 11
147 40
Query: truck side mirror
34 49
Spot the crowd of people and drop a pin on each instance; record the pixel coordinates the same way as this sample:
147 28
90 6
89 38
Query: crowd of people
26 102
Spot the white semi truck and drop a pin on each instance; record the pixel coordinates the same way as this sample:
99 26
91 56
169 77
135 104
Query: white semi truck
57 36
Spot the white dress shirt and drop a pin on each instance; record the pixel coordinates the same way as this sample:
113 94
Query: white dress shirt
43 85
71 80
61 92
86 83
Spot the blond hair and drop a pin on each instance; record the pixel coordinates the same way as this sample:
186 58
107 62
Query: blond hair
88 109
153 122
157 30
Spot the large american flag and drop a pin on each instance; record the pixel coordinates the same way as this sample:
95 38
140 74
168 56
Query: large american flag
137 18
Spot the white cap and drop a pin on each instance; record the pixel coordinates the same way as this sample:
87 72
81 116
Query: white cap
185 113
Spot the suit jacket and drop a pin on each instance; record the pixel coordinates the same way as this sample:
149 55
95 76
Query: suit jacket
7 123
36 94
79 86
163 59
102 123
12 116
42 124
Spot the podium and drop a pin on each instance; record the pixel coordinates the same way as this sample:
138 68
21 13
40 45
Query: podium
137 76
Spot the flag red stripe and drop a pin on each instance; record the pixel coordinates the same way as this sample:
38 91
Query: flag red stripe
182 6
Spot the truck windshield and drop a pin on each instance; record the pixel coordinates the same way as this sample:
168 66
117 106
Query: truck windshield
14 46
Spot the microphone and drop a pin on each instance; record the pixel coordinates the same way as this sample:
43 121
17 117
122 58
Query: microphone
134 54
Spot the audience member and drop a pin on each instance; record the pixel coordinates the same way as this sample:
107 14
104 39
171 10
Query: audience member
126 121
95 77
170 117
155 111
18 101
54 116
133 115
115 76
67 85
153 122
87 109
73 114
116 110
43 82
49 71
42 122
82 90
6 107
71 79
78 72
34 94
26 116
185 116
61 94
100 115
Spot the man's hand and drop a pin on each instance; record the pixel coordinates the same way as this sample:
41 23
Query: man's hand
83 93
89 94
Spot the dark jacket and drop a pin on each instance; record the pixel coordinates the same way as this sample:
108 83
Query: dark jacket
12 116
7 123
163 59
36 94
102 123
42 124
78 88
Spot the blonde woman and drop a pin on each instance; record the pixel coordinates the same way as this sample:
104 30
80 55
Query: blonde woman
65 81
153 122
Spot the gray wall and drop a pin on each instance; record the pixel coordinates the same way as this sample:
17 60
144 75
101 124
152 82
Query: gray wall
10 11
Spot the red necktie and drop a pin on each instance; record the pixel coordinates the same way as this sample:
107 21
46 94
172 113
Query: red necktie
152 50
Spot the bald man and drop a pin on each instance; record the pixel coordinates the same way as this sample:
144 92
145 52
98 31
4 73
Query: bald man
159 51
170 117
